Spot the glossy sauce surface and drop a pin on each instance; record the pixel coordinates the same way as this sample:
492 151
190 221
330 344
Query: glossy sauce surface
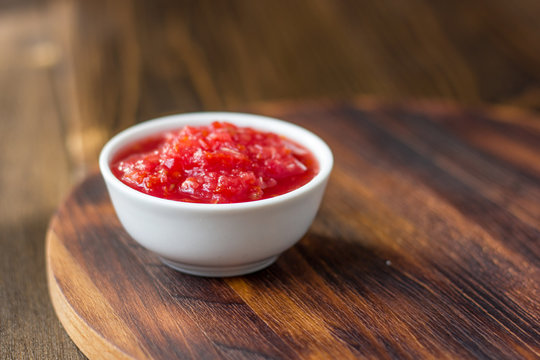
217 163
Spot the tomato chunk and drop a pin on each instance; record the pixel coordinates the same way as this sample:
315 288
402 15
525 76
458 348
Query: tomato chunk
217 163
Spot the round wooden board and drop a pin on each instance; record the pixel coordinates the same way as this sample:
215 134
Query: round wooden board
426 245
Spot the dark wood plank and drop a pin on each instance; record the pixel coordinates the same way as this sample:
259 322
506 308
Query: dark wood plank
33 177
131 61
426 246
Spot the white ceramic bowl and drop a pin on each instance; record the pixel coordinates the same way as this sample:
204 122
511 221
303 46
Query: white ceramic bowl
217 239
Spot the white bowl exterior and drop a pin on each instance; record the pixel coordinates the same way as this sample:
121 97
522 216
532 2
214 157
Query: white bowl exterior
217 234
208 238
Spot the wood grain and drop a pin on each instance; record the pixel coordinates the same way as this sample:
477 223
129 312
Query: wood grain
427 245
162 57
34 173
73 73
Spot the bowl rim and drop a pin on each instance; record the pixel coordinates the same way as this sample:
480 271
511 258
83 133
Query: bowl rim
322 154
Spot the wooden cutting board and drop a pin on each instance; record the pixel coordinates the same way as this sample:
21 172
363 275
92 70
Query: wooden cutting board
427 245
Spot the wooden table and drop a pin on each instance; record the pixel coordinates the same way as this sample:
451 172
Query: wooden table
74 73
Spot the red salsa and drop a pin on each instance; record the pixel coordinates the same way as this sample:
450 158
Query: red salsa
218 163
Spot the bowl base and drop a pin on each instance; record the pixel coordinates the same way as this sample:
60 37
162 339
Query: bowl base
220 271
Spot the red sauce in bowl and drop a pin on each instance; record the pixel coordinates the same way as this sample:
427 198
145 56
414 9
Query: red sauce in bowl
218 163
